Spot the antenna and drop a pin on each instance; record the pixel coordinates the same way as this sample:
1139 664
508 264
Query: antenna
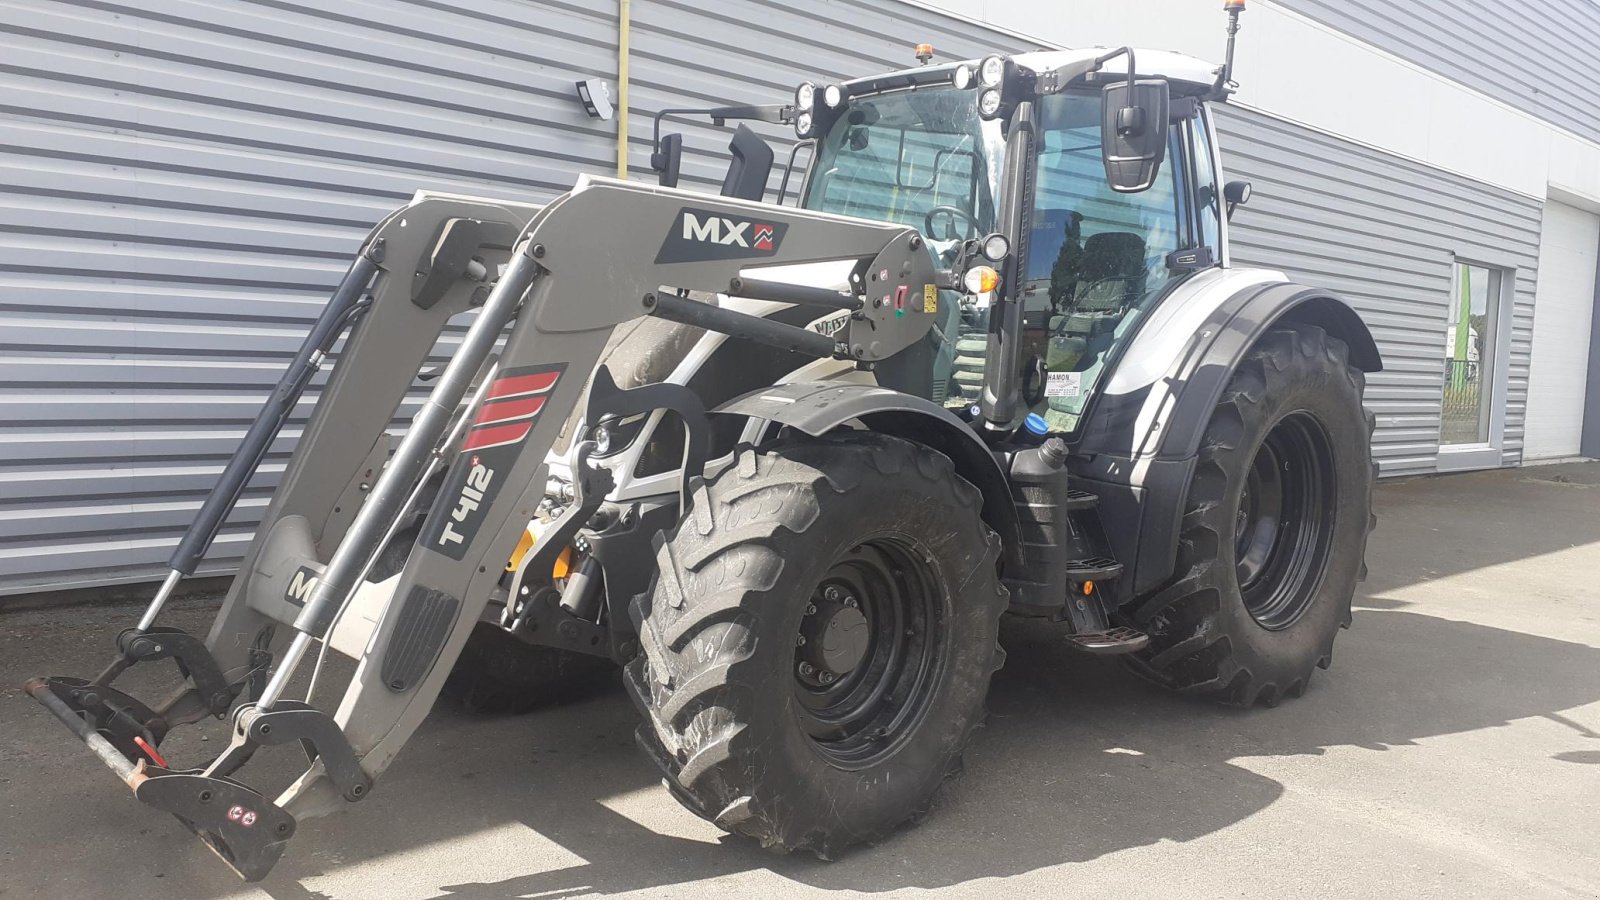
1225 84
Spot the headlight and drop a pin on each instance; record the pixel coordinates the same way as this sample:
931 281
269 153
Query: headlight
961 78
805 96
989 103
991 71
802 124
995 247
832 96
613 435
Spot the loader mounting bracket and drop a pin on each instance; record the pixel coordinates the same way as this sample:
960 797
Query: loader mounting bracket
194 662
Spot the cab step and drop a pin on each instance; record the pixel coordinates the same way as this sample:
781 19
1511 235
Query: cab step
1113 642
1077 499
1094 568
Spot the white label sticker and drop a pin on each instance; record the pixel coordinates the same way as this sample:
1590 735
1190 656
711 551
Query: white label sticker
1063 384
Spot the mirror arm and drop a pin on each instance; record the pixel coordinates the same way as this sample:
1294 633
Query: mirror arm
776 114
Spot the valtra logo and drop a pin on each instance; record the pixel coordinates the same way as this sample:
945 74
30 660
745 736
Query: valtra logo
699 235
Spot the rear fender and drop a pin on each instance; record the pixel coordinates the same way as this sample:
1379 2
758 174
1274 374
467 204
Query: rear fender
1142 437
818 408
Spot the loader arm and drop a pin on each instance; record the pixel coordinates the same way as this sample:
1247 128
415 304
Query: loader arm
561 277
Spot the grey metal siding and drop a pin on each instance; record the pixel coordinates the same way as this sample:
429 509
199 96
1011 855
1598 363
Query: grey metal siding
1538 57
182 181
1383 231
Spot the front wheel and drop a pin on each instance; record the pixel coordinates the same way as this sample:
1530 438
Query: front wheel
818 642
1274 528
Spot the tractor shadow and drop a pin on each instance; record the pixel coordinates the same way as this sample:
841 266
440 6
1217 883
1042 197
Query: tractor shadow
1078 760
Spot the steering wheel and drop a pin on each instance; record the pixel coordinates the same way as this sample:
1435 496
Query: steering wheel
950 214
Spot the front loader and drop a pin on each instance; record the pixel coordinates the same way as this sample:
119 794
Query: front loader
787 465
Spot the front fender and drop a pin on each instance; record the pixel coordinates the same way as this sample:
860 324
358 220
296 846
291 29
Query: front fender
817 408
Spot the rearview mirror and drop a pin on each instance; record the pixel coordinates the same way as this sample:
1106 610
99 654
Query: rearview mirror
667 159
1133 132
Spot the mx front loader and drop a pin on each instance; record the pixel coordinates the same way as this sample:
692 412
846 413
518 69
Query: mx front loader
787 465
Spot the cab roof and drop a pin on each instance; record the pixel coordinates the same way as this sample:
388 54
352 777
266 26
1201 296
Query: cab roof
1187 74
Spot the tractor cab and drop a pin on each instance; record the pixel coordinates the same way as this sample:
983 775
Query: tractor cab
1080 193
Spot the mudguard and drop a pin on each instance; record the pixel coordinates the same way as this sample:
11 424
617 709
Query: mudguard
1142 435
819 407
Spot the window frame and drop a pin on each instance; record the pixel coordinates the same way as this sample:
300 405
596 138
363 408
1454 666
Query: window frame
1486 454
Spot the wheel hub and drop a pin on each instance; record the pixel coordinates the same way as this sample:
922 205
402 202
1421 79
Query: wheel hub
1283 527
835 636
866 651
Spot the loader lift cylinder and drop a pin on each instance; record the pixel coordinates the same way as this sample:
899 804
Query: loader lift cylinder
337 314
393 489
740 325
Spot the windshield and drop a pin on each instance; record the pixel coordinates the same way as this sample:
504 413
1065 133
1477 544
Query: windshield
921 158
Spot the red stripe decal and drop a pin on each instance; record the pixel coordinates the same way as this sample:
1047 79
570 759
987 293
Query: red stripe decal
495 435
507 410
536 383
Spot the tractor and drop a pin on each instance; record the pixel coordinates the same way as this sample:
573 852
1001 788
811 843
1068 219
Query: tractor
786 465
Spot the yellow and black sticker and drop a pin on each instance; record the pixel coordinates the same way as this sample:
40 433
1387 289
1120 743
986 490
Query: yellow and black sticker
930 298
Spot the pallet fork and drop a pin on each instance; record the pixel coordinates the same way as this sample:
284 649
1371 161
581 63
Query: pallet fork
561 276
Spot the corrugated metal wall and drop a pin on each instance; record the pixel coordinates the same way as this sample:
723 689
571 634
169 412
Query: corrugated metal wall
1538 57
182 181
1381 230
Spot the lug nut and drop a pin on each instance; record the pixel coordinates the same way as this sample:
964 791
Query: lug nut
832 594
811 609
799 640
850 602
807 669
826 678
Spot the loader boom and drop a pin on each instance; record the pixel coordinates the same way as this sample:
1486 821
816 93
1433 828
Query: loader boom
563 277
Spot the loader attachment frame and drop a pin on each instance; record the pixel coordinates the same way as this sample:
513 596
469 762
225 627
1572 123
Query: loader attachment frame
561 277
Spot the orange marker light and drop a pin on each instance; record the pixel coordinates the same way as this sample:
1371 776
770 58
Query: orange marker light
924 52
1088 588
981 279
1233 4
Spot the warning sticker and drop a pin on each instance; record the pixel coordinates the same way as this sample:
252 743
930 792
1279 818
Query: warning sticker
1063 384
930 299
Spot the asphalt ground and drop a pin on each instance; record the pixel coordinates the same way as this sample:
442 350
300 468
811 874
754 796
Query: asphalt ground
1453 750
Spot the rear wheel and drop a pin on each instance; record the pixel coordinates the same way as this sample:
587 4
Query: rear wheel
1274 528
819 639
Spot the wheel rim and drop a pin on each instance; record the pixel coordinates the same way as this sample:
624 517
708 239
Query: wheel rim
1283 527
867 651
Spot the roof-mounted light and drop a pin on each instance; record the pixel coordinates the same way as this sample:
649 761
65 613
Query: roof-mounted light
992 71
833 96
805 96
989 103
961 77
924 53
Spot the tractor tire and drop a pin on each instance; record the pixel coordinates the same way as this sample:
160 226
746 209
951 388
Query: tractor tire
1274 528
818 641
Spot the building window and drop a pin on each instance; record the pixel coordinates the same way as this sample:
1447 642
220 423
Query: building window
1471 357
